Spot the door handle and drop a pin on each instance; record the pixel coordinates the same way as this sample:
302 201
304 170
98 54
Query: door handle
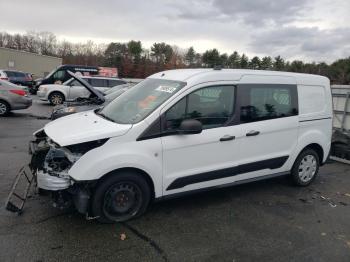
227 138
253 133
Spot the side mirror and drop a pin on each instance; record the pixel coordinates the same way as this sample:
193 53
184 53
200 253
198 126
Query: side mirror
190 126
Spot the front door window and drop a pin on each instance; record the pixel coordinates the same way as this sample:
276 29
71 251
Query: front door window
213 106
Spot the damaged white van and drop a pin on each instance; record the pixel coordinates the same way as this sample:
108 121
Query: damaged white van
181 131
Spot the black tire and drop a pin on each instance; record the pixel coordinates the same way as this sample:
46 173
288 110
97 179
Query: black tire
124 191
4 108
304 174
56 98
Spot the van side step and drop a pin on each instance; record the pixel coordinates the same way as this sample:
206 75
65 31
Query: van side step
24 180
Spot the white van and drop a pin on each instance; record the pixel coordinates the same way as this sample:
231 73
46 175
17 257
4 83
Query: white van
181 131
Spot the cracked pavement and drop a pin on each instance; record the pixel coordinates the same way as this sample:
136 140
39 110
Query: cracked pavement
263 221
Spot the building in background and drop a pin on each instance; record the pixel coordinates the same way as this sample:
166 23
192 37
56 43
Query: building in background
38 65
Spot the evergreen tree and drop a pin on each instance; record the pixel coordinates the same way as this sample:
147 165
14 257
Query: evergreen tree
234 60
190 56
244 61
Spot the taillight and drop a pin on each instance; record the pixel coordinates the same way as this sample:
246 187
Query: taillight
19 92
4 78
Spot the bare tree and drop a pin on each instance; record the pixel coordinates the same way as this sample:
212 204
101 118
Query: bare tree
47 43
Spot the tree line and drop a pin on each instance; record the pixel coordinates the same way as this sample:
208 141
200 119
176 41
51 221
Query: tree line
134 60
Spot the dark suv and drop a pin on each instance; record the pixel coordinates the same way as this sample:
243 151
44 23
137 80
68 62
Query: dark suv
17 77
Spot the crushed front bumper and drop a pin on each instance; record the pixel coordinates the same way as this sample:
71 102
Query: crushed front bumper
52 183
44 180
63 189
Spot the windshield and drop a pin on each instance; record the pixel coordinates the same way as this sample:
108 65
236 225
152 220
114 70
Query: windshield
114 95
51 73
141 100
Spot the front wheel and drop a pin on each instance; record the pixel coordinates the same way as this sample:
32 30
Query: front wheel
121 197
56 98
305 168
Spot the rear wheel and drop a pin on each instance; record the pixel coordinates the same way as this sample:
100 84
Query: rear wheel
56 98
4 108
121 197
305 168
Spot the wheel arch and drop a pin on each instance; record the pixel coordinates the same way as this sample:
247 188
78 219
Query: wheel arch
317 148
4 100
57 91
138 171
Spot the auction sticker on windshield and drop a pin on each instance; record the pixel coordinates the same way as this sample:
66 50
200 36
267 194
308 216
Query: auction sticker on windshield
168 89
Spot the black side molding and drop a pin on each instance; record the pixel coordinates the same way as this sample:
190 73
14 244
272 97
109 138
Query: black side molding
245 181
272 163
316 119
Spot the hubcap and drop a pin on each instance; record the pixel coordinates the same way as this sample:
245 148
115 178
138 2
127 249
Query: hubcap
307 168
56 99
3 108
122 201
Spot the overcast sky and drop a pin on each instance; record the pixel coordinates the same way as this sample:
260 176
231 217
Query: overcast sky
312 30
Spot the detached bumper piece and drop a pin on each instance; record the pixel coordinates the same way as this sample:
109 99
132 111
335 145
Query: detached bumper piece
23 183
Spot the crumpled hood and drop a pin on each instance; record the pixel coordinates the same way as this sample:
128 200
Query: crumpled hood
83 127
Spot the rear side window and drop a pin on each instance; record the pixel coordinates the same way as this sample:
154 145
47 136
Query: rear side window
19 74
10 73
264 102
98 82
112 83
212 106
316 94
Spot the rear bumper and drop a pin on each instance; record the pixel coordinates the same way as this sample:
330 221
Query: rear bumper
21 103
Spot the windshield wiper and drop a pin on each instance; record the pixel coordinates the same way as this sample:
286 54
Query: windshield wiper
97 112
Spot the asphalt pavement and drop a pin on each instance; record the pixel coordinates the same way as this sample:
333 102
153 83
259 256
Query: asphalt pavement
262 221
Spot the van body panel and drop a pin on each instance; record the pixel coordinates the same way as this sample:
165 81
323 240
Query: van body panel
315 132
123 152
178 163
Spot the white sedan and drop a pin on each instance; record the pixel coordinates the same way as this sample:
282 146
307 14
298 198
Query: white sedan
71 89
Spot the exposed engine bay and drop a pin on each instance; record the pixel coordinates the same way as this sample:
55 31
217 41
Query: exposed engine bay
51 163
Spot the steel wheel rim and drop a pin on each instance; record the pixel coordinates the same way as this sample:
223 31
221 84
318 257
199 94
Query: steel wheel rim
307 168
122 201
56 99
3 108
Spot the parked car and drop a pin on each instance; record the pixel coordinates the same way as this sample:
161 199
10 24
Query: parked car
91 103
73 89
17 77
12 97
60 74
181 131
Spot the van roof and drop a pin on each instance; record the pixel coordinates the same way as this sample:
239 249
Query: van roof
209 74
